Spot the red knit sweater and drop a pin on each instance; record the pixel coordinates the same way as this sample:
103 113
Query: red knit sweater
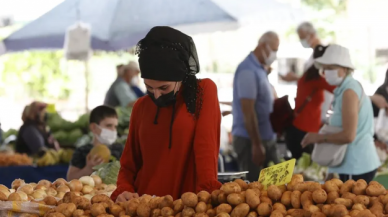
148 166
309 119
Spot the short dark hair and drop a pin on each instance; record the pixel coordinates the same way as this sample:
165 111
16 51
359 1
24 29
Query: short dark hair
100 113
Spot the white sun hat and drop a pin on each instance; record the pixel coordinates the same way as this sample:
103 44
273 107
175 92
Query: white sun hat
335 55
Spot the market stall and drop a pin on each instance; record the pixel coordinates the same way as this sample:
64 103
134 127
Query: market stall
32 173
89 196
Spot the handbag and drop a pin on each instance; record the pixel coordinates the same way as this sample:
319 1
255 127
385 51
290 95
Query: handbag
329 154
283 115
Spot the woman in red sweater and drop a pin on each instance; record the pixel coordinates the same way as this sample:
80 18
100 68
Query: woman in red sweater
174 132
308 102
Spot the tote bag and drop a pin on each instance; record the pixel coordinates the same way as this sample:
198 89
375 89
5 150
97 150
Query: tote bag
329 154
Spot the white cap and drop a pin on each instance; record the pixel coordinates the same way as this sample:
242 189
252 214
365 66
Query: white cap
133 65
335 55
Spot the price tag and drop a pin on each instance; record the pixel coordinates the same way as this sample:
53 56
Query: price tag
51 108
278 174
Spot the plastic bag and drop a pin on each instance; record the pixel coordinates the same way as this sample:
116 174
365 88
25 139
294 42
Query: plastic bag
381 127
22 209
78 42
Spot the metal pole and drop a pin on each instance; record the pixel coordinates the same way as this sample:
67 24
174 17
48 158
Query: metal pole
86 86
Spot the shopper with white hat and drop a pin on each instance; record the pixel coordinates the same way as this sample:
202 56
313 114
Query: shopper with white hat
352 115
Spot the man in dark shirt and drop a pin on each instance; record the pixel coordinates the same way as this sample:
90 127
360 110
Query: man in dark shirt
103 123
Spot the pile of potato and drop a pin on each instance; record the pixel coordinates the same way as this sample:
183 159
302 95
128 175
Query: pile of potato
77 206
45 192
240 199
297 199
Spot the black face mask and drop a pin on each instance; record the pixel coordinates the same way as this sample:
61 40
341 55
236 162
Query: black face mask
163 100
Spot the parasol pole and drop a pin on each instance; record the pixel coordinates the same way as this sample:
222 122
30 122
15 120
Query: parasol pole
86 65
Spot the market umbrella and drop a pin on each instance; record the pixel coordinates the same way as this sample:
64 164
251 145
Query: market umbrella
119 24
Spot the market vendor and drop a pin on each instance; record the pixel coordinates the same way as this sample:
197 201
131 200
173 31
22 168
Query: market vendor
135 79
102 123
120 92
174 132
34 136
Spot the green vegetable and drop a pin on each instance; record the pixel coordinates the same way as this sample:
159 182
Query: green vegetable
9 133
304 162
108 172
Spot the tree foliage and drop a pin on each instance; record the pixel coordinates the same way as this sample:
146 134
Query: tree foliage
339 6
39 72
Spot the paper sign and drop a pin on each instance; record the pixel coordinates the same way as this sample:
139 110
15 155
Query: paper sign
51 108
278 174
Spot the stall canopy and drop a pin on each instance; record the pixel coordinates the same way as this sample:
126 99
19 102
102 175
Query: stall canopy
118 24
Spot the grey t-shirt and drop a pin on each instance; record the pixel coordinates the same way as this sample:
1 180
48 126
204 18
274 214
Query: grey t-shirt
119 94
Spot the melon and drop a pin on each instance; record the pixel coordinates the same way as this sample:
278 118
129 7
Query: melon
102 151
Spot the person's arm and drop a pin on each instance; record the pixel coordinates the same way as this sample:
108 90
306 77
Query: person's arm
379 101
350 108
76 172
131 160
207 140
33 139
247 88
125 94
226 103
290 77
82 163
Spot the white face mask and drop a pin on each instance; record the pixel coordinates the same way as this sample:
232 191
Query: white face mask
135 81
107 137
332 77
271 57
306 42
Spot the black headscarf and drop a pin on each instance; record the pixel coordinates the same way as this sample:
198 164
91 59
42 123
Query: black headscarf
312 72
166 54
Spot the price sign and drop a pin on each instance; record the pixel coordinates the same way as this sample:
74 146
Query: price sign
51 108
278 174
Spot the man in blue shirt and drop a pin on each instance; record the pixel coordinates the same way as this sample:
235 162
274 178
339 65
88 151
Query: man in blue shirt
253 138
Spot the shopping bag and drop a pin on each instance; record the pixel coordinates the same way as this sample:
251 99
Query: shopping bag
381 127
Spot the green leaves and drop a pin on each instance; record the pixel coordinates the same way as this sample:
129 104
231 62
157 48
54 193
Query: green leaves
339 6
39 73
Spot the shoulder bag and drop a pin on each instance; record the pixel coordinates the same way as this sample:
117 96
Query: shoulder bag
329 154
283 115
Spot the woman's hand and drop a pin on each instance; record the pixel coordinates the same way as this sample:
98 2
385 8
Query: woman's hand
379 101
289 77
258 154
311 138
126 196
